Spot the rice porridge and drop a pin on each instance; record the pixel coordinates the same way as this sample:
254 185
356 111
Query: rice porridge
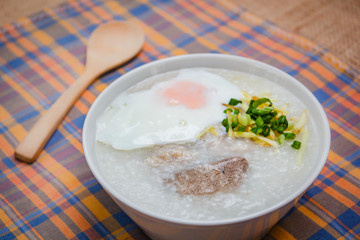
156 145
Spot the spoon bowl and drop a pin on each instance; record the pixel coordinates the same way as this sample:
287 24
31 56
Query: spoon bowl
109 46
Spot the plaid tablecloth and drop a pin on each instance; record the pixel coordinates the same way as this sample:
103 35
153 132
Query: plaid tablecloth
57 197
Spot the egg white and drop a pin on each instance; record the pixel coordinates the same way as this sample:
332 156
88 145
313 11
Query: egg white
144 118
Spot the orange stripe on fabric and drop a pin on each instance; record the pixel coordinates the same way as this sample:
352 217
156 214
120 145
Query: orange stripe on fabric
311 215
344 132
334 157
278 47
324 210
280 233
101 12
351 93
115 7
18 131
77 218
238 26
310 76
43 73
338 196
203 5
324 72
179 25
348 186
121 234
14 49
99 211
5 146
26 191
356 173
42 37
4 114
5 219
28 45
71 61
68 233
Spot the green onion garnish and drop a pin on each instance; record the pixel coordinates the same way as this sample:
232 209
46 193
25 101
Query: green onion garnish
281 139
289 136
228 109
234 102
266 130
261 101
296 144
261 118
259 122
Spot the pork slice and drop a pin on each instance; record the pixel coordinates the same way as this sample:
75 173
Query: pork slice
170 154
211 177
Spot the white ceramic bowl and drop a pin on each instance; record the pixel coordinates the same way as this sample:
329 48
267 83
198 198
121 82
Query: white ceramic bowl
252 226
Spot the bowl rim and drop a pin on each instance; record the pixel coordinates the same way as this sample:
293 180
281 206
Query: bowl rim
307 183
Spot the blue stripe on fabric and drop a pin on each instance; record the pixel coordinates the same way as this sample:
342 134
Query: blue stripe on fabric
313 191
356 163
73 200
159 2
24 228
101 229
313 56
123 219
353 155
90 182
341 172
8 162
55 138
67 39
345 78
259 29
37 221
321 95
235 42
95 188
72 12
15 63
328 182
350 218
332 87
140 10
322 235
82 236
57 210
28 116
8 236
293 72
186 41
45 49
79 121
45 22
3 128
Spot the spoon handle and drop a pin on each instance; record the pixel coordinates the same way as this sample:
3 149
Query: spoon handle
29 149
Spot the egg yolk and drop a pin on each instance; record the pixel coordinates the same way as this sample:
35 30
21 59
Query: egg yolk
190 94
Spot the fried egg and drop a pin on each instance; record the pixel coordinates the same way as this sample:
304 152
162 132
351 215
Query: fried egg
171 111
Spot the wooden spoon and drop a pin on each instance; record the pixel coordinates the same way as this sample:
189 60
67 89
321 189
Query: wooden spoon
109 46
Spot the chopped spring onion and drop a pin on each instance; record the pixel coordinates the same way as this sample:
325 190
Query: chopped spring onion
296 144
289 136
243 120
266 130
259 122
234 102
281 139
258 117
